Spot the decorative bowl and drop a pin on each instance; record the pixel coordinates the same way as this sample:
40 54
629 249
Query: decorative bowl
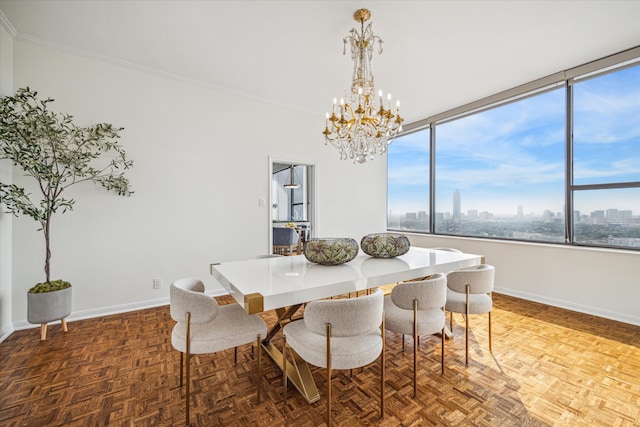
330 251
385 245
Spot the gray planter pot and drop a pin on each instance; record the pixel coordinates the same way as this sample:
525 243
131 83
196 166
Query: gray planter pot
48 306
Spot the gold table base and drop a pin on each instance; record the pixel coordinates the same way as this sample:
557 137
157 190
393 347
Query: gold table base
298 371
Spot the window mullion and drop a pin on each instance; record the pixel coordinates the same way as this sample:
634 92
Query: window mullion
432 178
568 180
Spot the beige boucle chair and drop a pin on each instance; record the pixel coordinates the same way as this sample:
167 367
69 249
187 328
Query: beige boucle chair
417 308
342 333
469 292
205 327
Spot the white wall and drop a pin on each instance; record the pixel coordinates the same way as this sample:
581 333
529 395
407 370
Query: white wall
6 88
201 164
602 282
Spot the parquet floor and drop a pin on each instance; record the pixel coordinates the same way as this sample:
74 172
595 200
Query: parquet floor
549 367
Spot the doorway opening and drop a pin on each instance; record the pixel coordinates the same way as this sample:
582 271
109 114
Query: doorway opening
292 196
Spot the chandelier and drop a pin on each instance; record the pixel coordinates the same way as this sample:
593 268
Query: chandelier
357 126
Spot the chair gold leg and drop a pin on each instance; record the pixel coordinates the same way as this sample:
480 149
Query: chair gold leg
402 342
235 355
382 361
442 355
466 330
328 374
284 372
451 322
490 349
415 346
188 339
258 376
181 367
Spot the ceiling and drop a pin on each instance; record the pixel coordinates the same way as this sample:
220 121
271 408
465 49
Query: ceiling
437 54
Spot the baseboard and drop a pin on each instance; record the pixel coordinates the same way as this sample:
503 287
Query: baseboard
594 311
4 334
106 311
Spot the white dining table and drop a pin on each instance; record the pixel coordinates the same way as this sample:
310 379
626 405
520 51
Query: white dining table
285 283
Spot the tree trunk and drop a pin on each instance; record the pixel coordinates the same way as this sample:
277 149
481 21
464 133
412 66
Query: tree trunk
47 240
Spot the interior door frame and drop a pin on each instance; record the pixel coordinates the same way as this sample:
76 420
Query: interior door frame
312 196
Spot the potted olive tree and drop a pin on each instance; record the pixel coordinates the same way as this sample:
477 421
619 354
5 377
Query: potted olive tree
57 154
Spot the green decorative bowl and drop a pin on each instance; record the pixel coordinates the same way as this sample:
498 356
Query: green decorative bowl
331 251
385 245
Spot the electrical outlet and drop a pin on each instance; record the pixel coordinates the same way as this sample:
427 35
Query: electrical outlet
157 283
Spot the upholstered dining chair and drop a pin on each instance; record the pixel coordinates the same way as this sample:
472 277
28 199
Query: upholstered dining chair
286 240
342 333
469 292
205 327
417 308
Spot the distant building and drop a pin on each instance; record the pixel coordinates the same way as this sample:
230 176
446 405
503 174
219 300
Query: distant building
613 215
486 215
457 212
597 217
547 216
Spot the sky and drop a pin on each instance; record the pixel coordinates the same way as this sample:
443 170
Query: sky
514 155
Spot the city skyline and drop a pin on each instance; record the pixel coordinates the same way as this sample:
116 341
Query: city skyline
458 199
514 154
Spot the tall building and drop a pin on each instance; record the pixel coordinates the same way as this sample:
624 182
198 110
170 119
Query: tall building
456 205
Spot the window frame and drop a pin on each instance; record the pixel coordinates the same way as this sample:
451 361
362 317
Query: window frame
567 78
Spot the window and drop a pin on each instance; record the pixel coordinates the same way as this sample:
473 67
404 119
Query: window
408 182
500 172
600 217
606 128
606 159
558 162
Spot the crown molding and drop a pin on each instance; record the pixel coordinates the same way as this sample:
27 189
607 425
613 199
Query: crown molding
7 25
25 38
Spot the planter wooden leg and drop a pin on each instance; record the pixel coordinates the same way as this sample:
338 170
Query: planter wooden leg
64 325
43 331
